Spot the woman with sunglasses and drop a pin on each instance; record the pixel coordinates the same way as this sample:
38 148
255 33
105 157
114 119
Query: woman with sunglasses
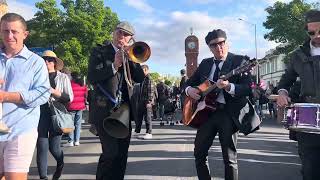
305 64
49 139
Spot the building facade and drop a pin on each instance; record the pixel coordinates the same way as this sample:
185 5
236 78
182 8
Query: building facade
271 68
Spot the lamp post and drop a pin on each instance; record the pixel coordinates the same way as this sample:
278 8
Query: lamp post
255 45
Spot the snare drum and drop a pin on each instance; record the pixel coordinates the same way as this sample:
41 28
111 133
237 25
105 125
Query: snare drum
304 117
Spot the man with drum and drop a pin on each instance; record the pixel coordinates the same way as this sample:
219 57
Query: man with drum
305 64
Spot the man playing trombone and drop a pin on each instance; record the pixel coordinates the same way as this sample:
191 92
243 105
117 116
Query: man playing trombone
110 72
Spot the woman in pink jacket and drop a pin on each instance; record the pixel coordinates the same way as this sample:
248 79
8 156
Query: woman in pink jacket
76 107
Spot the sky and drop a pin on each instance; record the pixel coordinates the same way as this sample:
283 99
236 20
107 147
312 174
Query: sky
164 25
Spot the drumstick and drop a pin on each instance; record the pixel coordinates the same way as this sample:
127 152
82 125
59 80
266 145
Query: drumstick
273 97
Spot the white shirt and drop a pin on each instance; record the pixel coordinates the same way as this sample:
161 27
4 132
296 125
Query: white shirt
112 65
220 97
314 51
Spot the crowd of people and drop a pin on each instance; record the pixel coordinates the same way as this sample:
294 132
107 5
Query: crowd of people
26 122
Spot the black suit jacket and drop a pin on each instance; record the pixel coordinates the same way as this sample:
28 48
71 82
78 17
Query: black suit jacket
100 72
242 82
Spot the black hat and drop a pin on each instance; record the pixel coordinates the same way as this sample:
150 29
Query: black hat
214 34
312 16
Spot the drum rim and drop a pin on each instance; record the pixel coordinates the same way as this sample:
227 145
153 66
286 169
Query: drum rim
306 105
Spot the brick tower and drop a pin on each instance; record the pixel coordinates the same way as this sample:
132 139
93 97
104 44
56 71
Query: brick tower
191 53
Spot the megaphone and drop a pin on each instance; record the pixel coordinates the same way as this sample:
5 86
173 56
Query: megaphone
117 124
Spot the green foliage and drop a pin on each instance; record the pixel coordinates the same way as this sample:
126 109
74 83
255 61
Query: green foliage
73 30
286 22
155 77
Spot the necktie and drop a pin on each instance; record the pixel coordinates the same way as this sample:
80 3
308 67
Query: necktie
216 72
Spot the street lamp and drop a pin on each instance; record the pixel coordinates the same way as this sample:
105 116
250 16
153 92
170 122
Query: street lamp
255 45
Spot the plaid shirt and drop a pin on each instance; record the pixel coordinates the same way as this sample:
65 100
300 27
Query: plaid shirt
147 90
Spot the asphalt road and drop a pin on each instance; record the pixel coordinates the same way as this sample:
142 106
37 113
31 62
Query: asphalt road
265 155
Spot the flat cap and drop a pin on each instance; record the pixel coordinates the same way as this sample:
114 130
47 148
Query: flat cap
126 27
214 34
312 16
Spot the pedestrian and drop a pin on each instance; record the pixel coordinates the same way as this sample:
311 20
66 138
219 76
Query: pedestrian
106 73
76 107
50 139
182 87
304 63
231 99
163 95
145 104
24 87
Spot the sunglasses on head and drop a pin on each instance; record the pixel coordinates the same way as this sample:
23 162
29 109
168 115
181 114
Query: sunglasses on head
313 33
214 45
49 59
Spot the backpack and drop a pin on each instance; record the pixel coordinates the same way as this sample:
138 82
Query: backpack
163 92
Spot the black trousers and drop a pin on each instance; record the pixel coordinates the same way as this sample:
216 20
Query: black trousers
144 113
309 151
219 122
113 159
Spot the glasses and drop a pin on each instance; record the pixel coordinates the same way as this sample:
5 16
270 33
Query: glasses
214 45
313 33
49 59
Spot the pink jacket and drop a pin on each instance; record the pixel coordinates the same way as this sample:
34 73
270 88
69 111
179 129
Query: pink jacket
80 94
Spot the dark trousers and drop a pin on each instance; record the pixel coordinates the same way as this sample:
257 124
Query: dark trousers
154 111
218 122
161 110
48 140
309 151
113 159
146 114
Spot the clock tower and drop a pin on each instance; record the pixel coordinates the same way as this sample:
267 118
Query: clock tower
191 52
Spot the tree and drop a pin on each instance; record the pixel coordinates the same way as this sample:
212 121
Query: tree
155 76
72 30
286 22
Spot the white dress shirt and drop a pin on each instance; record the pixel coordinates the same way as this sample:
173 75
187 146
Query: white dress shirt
314 51
220 97
112 65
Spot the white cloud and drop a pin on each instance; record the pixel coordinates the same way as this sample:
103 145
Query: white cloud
208 1
166 37
270 2
140 5
25 10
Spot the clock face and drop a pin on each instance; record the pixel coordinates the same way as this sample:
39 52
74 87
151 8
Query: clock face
191 45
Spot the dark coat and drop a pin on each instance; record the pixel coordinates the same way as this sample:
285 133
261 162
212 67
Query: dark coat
305 66
100 72
242 83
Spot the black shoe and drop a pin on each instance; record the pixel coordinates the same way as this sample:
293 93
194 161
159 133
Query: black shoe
44 177
58 172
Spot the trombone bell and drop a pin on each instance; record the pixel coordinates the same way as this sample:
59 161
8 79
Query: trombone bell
139 52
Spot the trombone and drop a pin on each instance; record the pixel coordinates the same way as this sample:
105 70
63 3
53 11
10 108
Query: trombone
117 124
139 52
